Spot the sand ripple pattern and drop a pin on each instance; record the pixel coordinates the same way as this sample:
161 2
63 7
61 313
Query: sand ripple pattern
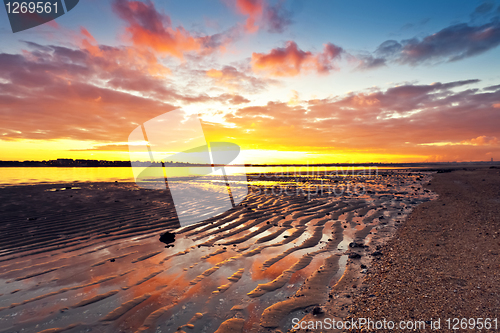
87 256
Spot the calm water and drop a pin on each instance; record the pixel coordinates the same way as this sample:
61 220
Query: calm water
25 176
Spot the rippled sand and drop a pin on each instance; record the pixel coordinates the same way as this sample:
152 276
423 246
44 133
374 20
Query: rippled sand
87 257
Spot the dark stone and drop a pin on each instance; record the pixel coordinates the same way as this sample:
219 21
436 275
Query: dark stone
354 255
363 266
167 238
317 311
354 244
112 260
376 253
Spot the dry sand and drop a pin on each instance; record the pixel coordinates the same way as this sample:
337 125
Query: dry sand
88 258
444 262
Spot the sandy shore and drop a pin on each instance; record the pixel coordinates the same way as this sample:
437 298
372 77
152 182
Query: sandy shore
444 262
87 257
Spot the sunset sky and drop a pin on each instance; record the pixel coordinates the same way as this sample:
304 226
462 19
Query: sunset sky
290 81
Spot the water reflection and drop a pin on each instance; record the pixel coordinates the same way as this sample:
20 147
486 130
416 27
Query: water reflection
118 276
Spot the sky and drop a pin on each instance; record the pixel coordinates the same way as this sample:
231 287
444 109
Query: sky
289 81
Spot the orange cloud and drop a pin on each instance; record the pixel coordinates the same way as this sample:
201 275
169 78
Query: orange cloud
68 104
252 8
482 141
281 61
291 60
134 58
274 18
496 106
174 42
400 123
365 100
215 73
324 61
147 28
87 34
89 43
231 78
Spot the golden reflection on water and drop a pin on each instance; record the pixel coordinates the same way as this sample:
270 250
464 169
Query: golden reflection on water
23 176
30 175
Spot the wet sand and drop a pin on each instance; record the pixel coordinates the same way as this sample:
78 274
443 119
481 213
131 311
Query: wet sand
87 257
444 262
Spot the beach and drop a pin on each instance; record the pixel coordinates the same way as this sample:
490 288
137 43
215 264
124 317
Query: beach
87 256
249 166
